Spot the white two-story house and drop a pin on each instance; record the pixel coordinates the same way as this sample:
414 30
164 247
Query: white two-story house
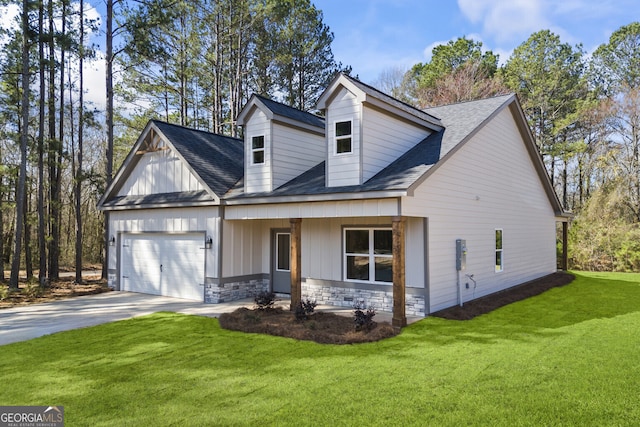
376 202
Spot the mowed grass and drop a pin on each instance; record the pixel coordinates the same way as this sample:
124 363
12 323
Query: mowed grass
570 356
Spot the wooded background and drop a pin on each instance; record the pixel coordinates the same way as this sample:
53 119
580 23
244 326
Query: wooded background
196 63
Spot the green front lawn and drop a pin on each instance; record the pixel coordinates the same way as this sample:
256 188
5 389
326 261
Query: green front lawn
570 356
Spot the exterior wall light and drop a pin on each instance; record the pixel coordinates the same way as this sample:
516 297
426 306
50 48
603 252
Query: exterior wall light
112 241
208 242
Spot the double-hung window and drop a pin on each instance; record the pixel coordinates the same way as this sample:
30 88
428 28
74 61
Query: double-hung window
257 150
368 254
499 251
343 137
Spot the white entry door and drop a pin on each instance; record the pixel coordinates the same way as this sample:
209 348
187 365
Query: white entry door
163 264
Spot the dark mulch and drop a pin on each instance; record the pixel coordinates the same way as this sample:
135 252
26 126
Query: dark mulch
331 328
491 302
321 327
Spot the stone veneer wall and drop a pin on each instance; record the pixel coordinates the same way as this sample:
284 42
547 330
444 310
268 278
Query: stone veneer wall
215 293
347 297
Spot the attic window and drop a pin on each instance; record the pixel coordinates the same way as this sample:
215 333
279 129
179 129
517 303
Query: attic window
343 137
257 149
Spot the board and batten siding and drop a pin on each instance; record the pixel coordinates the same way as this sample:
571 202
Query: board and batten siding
169 220
385 139
344 168
322 247
489 184
294 152
247 247
160 172
257 178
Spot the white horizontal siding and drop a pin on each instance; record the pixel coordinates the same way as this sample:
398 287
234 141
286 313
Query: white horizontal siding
294 152
489 183
385 139
159 172
350 208
257 178
175 220
343 169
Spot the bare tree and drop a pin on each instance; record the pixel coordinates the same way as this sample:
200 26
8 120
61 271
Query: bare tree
22 176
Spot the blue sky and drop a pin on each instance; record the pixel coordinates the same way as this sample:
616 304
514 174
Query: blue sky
374 35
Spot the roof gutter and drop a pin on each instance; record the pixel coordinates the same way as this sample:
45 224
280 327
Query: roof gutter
316 197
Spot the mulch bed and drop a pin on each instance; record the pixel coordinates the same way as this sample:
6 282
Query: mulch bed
499 299
63 288
321 327
331 328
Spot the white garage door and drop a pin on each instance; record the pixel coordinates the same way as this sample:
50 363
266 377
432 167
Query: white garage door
164 264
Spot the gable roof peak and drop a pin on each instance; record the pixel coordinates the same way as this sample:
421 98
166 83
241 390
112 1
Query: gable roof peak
369 94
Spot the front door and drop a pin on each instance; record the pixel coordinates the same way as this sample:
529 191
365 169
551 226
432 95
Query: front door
281 261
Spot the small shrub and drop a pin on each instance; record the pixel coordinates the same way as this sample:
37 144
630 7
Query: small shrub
265 300
33 290
4 292
304 309
363 320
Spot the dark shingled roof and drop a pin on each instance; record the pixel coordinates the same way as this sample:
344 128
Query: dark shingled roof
218 160
292 113
159 199
460 121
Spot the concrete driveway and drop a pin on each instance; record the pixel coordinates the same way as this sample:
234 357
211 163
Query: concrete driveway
31 321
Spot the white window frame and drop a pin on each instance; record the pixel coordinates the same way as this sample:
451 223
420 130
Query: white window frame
255 150
336 138
499 250
372 255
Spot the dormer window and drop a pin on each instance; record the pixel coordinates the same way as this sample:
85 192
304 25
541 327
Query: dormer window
257 150
343 137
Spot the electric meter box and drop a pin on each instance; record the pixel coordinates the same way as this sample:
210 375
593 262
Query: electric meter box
461 254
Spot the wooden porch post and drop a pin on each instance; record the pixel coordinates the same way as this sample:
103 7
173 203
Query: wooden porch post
399 313
296 274
565 246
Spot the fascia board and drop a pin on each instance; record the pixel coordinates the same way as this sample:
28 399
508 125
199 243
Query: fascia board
316 197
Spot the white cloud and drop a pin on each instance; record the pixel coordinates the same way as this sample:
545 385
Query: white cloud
428 51
505 20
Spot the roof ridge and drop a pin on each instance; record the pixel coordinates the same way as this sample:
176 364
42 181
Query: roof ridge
286 105
509 94
162 122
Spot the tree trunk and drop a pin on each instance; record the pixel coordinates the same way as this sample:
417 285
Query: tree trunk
78 175
109 156
24 134
28 256
42 250
56 177
53 157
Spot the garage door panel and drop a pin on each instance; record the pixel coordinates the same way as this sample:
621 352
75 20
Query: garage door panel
164 264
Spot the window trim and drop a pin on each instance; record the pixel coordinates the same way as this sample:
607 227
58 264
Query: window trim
336 137
280 233
499 250
371 255
256 150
